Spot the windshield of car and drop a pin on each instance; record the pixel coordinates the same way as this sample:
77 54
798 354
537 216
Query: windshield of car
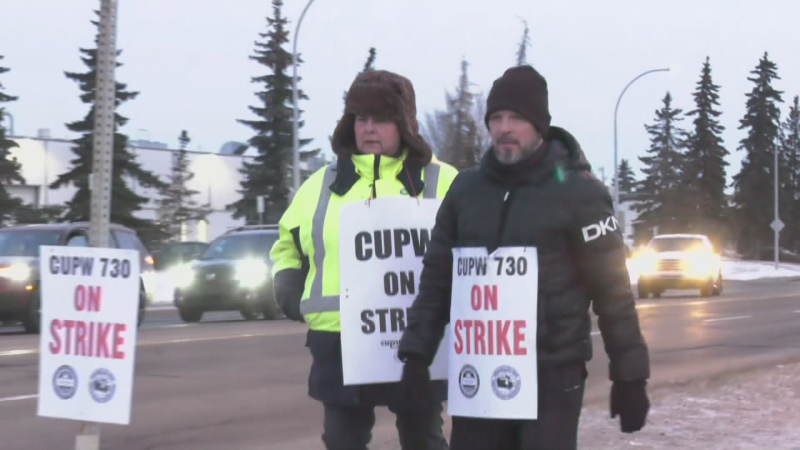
675 244
26 242
241 246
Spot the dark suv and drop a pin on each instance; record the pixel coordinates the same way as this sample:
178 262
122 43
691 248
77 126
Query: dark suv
233 274
19 265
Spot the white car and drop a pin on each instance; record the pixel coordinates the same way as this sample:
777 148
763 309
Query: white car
678 261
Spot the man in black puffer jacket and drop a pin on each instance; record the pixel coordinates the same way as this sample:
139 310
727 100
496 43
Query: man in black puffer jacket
534 188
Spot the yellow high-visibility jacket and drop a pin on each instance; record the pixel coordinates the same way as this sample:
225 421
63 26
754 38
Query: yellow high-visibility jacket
308 247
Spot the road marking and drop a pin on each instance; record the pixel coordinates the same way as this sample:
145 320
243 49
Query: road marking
798 311
30 351
726 318
750 298
18 397
18 352
595 333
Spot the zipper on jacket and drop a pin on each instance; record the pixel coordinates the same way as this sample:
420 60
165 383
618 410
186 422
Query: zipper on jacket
377 172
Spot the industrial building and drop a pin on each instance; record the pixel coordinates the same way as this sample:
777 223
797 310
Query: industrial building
216 177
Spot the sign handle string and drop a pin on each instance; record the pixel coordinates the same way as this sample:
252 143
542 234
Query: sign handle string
411 183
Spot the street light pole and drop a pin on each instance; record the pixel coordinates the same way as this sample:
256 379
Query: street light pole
777 224
616 110
295 110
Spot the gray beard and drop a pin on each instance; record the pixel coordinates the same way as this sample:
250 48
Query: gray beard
509 157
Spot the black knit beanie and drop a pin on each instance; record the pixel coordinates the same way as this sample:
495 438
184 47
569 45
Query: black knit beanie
523 90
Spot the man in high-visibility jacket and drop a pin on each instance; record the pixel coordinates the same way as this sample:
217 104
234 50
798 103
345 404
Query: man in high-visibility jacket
380 154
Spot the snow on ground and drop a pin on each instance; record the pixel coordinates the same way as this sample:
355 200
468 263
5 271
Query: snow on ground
751 270
754 410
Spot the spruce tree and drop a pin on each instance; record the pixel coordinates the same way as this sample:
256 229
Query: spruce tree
627 179
9 166
790 149
270 173
124 202
754 184
522 50
462 146
178 206
705 168
662 204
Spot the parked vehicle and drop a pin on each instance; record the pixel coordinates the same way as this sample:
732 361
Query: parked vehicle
19 265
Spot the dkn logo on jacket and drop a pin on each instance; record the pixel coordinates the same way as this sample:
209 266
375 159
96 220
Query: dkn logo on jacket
608 225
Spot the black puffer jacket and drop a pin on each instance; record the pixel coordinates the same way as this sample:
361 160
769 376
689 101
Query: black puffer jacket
552 198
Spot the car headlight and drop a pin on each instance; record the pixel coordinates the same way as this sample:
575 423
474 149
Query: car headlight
646 264
182 275
251 272
700 265
16 272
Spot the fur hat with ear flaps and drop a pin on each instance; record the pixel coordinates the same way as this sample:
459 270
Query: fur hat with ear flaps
382 95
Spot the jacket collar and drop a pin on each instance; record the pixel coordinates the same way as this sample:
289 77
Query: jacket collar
377 167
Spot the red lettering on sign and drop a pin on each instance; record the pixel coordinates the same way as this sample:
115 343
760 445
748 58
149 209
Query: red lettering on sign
92 339
490 337
485 299
87 298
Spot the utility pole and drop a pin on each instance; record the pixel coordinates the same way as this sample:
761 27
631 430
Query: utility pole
102 158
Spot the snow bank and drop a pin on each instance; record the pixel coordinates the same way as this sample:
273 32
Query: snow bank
752 270
748 411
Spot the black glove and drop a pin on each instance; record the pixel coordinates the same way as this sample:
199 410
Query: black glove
629 401
414 401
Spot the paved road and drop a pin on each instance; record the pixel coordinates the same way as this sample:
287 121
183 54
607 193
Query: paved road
235 385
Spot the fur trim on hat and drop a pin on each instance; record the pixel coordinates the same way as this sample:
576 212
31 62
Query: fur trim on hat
382 95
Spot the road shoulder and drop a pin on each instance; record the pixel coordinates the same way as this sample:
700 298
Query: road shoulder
754 409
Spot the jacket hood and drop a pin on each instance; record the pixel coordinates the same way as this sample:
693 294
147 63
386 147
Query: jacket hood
559 154
383 95
566 151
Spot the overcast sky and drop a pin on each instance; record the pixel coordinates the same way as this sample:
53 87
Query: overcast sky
189 59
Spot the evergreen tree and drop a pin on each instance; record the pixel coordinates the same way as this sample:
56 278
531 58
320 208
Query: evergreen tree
124 202
662 204
754 185
627 179
29 214
462 147
9 166
522 50
270 173
178 207
790 149
705 173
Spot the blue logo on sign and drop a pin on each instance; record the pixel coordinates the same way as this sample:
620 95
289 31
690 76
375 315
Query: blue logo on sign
102 385
65 382
506 382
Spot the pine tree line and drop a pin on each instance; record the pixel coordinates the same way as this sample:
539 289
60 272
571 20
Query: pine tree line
685 169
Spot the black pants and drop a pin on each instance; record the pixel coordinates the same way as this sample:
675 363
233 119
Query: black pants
351 429
560 404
